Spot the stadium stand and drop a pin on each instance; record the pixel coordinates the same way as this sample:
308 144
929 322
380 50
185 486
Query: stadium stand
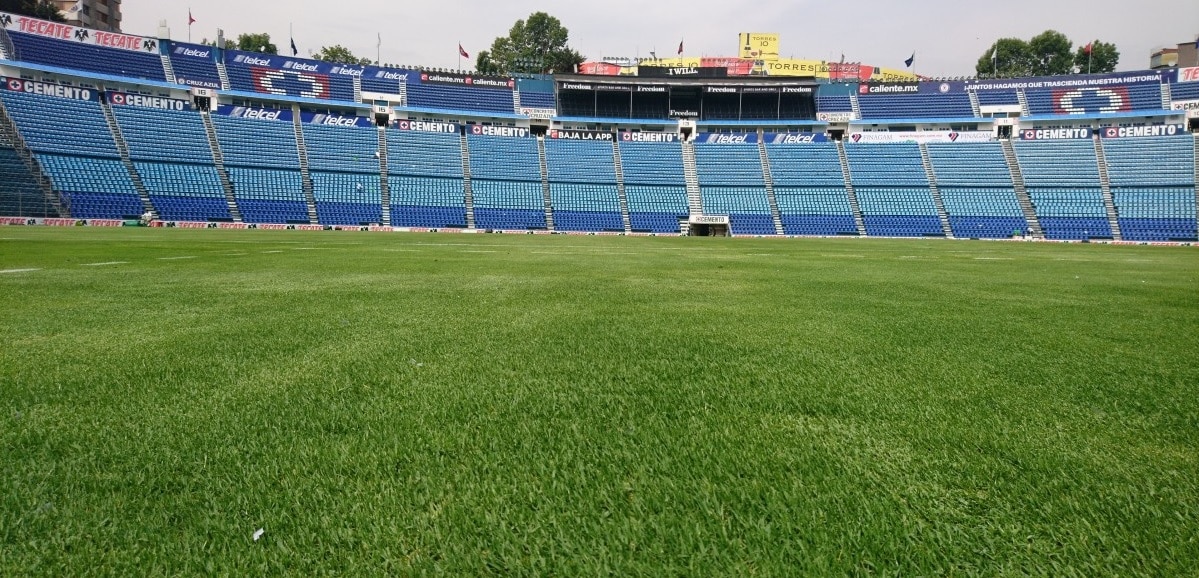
810 189
78 56
1153 186
194 65
1062 178
344 165
20 194
425 176
952 105
654 185
976 190
893 190
731 182
251 77
1057 101
506 181
583 192
264 165
170 152
459 98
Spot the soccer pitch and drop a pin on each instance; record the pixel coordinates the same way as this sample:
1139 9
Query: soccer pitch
549 405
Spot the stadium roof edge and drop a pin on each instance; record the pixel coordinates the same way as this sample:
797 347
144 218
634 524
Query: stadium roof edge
92 76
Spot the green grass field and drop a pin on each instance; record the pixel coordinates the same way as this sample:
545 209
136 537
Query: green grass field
513 405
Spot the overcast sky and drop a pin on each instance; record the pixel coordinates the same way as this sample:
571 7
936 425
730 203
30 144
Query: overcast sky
948 36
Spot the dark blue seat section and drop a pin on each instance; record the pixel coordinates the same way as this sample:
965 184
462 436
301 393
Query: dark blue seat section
272 211
1076 228
833 103
346 213
91 205
583 190
77 56
1153 187
291 83
511 219
654 186
432 217
731 183
903 226
1093 100
825 225
1184 91
20 195
952 105
460 98
194 65
376 81
982 227
656 222
186 208
893 191
1159 229
997 97
587 221
537 99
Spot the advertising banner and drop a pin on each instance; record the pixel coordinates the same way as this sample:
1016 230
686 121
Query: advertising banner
467 80
1184 105
794 138
723 138
299 65
1188 74
682 71
925 136
424 126
1066 82
1142 131
141 101
58 90
255 113
335 119
582 135
1067 133
834 116
197 53
537 113
58 31
501 131
290 83
654 137
758 45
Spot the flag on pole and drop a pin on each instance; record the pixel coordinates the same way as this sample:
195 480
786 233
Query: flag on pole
77 7
379 40
294 50
911 60
680 47
462 51
1090 45
190 20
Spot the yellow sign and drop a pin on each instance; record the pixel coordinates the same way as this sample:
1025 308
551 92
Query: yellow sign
758 45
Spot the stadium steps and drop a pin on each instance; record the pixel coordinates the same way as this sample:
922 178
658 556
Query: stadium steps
218 159
1105 183
1166 96
858 220
168 70
516 101
7 51
545 184
855 106
1030 212
932 187
357 89
1023 100
223 74
618 163
1196 137
384 186
9 133
695 200
974 106
404 93
123 149
302 150
467 191
769 179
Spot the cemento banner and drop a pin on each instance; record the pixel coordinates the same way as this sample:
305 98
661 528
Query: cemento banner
708 220
57 31
1183 105
1065 133
57 90
141 101
925 136
501 131
425 126
653 137
1142 131
758 45
582 135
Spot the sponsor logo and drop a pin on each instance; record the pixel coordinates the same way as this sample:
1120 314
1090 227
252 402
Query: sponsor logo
185 51
1188 74
718 138
464 80
391 75
422 126
293 65
346 71
255 113
796 138
683 113
581 135
891 88
649 137
576 86
797 90
709 220
504 131
659 89
1142 131
122 99
537 113
335 120
251 60
32 87
1185 105
834 116
925 136
721 89
944 87
1056 133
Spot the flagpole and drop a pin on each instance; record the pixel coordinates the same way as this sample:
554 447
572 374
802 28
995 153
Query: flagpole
189 24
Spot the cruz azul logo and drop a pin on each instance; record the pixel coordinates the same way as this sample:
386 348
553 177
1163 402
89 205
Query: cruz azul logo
1091 100
290 82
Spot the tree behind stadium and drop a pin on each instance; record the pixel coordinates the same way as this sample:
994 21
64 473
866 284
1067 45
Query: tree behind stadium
341 55
535 45
1046 54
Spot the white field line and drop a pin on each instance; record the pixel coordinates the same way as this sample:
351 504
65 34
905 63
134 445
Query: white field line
18 270
104 264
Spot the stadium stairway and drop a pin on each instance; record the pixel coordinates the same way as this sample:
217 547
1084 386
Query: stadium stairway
974 105
1023 100
357 89
1196 137
695 202
467 191
545 184
385 185
856 107
167 69
932 186
7 52
624 198
302 150
775 215
1109 204
123 149
223 74
9 134
1166 96
858 220
1030 212
516 101
218 160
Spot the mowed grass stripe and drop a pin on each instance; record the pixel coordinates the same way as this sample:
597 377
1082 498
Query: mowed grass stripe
400 406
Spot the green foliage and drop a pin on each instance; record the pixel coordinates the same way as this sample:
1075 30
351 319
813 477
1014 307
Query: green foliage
43 9
1051 54
340 54
536 45
259 42
1008 57
423 404
1103 58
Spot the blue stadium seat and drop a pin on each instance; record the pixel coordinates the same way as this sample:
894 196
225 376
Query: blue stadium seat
583 189
506 182
79 56
810 189
1153 187
731 183
1062 180
893 190
654 186
976 190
